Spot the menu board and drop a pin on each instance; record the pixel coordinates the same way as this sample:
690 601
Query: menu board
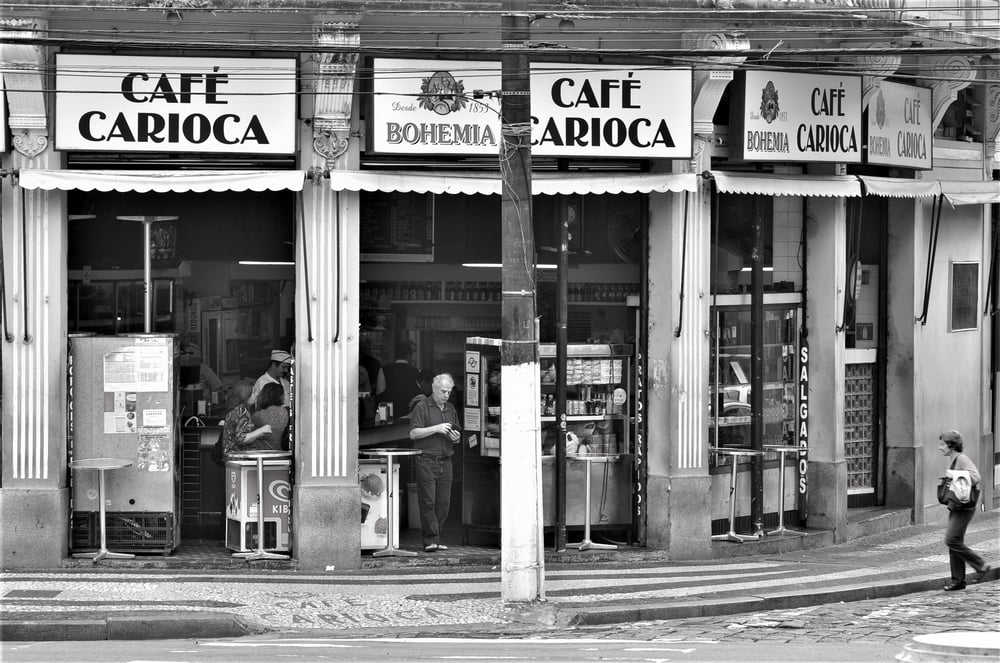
397 227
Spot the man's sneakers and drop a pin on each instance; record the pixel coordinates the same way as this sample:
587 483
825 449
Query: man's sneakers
434 547
980 575
954 586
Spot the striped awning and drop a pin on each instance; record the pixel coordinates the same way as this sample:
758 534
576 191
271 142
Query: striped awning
163 181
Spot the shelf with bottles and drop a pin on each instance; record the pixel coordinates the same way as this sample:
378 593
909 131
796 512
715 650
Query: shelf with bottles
600 293
598 398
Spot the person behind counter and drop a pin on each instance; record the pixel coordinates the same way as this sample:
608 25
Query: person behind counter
207 381
402 380
277 372
271 411
238 430
434 429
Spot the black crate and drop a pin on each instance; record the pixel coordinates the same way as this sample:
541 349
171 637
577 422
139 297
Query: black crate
138 531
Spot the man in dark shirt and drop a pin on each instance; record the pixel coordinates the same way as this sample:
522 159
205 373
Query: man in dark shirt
434 429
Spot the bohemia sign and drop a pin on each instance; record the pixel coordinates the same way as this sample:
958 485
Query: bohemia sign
899 126
777 116
157 104
453 107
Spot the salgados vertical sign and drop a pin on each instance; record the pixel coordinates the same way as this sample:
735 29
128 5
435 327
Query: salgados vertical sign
803 432
162 104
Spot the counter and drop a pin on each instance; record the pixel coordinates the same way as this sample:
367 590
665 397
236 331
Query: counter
391 433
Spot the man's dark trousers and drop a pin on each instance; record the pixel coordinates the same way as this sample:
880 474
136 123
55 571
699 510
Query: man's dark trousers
434 479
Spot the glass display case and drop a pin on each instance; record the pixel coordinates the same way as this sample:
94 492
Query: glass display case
730 373
600 420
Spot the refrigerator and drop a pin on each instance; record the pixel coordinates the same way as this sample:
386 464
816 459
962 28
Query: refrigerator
123 404
374 506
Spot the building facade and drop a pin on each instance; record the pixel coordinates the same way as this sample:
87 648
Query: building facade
809 239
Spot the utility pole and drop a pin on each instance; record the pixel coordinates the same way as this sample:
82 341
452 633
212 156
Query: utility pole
522 557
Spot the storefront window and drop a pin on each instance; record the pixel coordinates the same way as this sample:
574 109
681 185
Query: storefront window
732 236
730 376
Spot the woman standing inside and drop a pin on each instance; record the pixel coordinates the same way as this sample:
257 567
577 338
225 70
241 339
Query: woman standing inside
239 432
959 517
271 411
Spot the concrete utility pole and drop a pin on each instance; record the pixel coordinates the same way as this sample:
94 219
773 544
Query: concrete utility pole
522 558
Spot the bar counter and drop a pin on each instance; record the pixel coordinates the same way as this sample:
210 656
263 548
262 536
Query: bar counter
391 434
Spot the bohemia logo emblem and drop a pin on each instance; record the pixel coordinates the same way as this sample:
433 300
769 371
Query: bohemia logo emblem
769 103
880 110
442 93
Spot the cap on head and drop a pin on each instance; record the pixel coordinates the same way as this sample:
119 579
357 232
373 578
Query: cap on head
281 357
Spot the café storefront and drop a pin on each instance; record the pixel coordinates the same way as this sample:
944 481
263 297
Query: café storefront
378 227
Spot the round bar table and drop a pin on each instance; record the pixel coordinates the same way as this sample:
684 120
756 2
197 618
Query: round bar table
260 455
735 453
590 459
390 500
782 449
102 465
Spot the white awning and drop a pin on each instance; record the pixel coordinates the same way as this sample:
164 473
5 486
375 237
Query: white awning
489 183
971 193
893 187
407 182
550 184
160 181
842 186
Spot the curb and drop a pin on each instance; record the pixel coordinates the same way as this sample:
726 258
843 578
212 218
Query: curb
52 626
780 601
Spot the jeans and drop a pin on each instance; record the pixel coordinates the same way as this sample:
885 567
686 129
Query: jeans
959 554
433 495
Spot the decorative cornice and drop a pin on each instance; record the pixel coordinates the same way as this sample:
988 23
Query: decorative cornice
875 67
992 103
947 74
30 142
24 67
710 84
334 89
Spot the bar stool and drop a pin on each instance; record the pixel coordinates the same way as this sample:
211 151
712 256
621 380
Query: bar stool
735 453
589 459
782 449
102 465
259 455
390 500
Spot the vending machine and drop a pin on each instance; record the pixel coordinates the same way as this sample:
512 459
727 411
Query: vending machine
123 405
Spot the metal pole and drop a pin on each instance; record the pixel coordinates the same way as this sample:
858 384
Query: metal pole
562 317
757 373
147 276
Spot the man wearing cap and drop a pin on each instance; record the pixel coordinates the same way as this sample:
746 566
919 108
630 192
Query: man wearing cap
277 371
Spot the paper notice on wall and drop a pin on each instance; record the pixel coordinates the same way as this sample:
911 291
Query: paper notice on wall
137 368
473 441
119 422
154 452
472 419
154 418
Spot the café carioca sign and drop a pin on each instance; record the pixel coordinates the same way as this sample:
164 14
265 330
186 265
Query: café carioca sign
159 104
780 116
453 107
